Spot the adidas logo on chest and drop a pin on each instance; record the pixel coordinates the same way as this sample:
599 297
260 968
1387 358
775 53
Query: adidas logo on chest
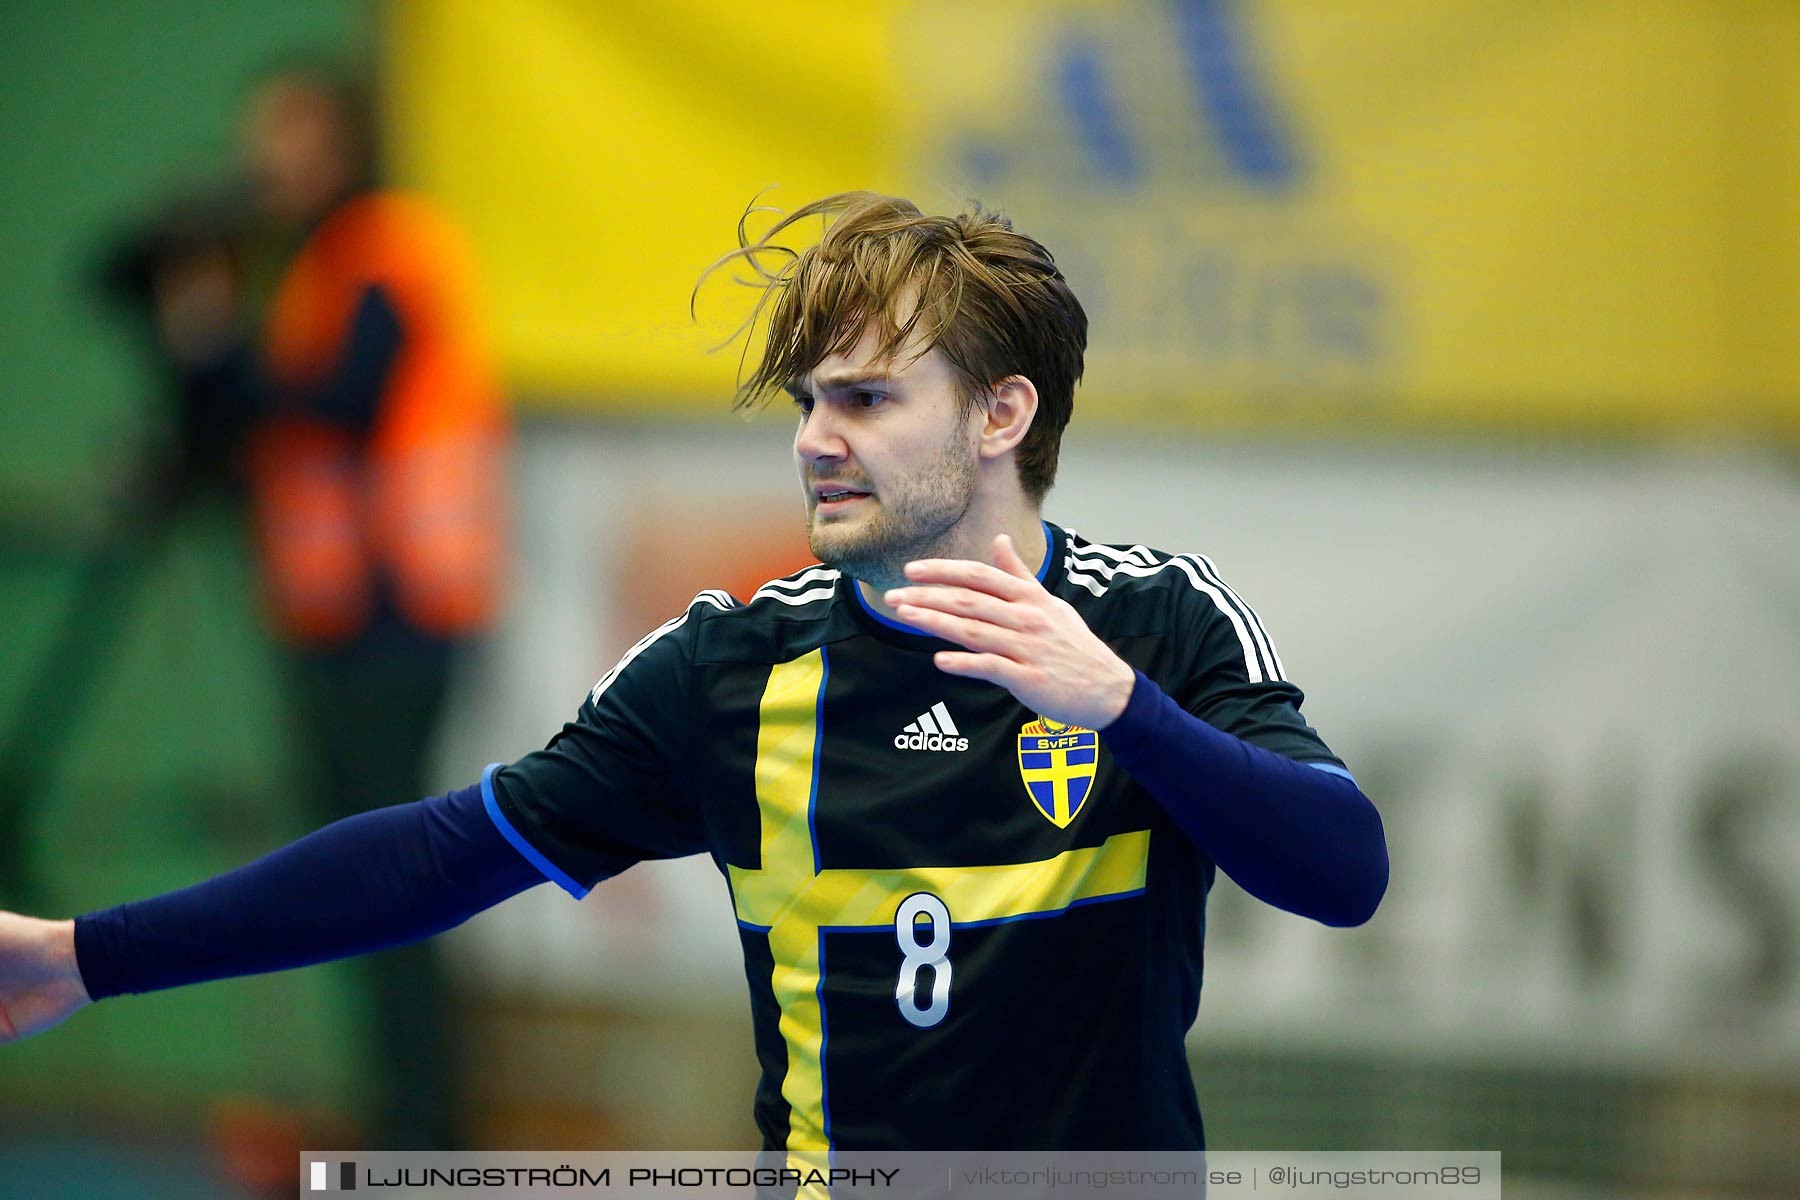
932 730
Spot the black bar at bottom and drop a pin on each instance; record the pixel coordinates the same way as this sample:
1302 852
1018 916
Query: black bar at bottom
346 1177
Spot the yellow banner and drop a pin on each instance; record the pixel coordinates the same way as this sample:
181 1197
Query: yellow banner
1414 214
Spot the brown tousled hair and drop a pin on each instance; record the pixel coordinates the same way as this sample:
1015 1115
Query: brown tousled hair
990 298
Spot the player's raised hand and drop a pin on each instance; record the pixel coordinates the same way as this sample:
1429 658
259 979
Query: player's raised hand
1016 634
40 984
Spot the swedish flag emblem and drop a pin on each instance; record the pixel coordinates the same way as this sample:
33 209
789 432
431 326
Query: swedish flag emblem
1057 763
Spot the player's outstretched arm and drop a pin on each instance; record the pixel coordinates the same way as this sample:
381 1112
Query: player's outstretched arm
374 880
40 985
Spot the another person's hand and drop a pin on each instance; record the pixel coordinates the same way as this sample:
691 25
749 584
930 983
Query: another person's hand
1018 635
40 983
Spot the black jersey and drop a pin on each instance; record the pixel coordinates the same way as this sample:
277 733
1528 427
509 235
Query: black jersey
963 926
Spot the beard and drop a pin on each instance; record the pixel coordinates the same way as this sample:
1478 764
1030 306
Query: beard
913 518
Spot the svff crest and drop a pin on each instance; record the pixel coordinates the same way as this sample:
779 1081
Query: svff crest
1057 764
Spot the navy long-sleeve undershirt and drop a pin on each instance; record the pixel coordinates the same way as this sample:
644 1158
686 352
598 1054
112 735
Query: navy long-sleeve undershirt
377 879
1300 838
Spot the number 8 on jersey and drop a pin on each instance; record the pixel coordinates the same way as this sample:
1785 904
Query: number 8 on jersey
934 954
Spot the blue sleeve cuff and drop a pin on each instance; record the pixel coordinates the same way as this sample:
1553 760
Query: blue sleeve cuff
550 870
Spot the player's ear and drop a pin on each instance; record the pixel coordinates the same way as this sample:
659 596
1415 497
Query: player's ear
1008 409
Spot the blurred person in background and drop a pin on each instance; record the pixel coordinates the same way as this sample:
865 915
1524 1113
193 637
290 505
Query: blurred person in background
335 344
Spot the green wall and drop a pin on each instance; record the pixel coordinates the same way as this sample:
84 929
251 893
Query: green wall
177 764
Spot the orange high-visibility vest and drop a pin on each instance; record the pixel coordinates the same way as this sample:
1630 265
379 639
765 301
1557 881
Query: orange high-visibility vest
420 503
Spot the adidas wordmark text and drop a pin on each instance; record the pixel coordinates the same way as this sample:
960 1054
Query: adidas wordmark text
933 730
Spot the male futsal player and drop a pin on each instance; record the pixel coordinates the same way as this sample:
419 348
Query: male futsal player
967 781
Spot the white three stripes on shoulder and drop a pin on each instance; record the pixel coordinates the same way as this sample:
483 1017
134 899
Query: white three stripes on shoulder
1262 635
1094 566
814 583
1136 554
717 599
